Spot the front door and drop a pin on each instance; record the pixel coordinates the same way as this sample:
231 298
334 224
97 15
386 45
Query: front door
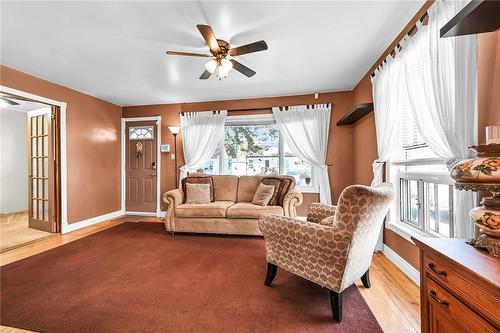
141 164
42 156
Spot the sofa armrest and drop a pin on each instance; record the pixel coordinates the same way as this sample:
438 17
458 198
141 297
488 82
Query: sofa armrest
172 198
291 201
305 248
319 211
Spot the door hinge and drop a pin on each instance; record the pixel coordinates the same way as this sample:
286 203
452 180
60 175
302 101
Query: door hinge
53 115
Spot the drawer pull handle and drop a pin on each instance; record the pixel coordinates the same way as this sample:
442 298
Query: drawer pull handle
433 294
432 267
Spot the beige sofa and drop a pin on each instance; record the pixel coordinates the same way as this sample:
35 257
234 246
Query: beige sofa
231 213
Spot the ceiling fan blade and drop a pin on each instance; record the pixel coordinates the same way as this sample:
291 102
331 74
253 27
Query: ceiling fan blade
242 68
248 48
206 74
188 54
9 101
209 37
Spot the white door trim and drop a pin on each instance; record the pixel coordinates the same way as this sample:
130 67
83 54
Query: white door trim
65 227
158 164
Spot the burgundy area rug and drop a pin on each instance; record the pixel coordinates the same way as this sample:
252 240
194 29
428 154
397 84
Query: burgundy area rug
136 278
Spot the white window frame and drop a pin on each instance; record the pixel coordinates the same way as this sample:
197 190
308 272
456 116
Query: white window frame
393 220
264 119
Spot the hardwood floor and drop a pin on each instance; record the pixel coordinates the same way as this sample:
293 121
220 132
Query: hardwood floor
15 232
393 297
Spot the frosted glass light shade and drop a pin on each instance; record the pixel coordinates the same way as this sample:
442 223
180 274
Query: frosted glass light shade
174 129
226 65
211 65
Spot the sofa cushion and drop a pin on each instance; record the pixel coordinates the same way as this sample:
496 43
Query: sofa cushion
247 210
226 187
213 209
247 187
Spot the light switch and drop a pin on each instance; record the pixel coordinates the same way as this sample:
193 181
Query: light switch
172 156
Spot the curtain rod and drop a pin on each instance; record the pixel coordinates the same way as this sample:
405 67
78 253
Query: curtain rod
230 110
424 19
309 106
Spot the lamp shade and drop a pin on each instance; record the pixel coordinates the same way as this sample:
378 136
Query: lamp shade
174 129
211 65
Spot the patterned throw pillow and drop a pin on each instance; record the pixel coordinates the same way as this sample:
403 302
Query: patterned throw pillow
281 187
199 180
197 193
276 182
263 195
328 221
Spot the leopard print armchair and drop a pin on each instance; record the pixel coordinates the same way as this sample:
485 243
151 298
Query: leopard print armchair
334 246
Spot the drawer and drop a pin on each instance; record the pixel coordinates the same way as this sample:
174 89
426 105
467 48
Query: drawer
456 316
482 300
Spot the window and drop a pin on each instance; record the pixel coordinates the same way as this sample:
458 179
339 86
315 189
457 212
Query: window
254 146
425 198
252 150
424 187
140 133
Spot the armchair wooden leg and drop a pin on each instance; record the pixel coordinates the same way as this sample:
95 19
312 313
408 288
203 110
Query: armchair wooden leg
366 279
336 304
271 273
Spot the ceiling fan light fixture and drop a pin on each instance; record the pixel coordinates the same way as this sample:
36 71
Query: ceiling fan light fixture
211 66
226 65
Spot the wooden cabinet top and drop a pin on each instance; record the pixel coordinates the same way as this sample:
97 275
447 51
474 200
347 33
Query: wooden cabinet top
478 262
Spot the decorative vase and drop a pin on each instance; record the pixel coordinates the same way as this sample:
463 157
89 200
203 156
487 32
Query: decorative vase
483 174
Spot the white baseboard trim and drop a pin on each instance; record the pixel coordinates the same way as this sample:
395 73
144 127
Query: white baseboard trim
402 264
65 228
140 213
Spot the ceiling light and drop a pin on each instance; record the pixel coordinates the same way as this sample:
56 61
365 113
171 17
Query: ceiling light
226 65
211 65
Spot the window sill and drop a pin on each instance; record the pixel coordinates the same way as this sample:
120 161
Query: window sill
307 190
407 232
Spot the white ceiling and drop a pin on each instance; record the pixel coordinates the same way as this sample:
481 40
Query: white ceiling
116 50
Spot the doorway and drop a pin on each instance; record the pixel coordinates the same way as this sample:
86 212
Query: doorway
30 175
141 162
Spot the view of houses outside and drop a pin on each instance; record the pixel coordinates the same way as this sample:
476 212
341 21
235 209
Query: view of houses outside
254 150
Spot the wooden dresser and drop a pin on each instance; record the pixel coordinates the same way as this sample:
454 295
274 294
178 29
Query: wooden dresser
459 287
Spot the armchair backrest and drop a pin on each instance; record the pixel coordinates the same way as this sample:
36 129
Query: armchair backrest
360 214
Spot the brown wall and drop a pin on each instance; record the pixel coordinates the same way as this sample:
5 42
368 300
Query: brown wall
488 81
93 145
364 137
340 151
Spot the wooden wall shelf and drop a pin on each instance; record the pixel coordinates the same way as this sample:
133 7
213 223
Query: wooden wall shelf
356 114
477 17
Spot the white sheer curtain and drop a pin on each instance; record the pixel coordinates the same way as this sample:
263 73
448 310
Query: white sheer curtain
387 99
440 77
306 133
202 133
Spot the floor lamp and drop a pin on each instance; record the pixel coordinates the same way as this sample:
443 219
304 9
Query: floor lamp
174 131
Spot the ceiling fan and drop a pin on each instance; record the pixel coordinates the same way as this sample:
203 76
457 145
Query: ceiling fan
220 51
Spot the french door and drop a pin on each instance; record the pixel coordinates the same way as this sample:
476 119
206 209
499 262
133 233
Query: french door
43 156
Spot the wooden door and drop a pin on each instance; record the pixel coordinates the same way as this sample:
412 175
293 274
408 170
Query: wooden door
42 158
140 178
